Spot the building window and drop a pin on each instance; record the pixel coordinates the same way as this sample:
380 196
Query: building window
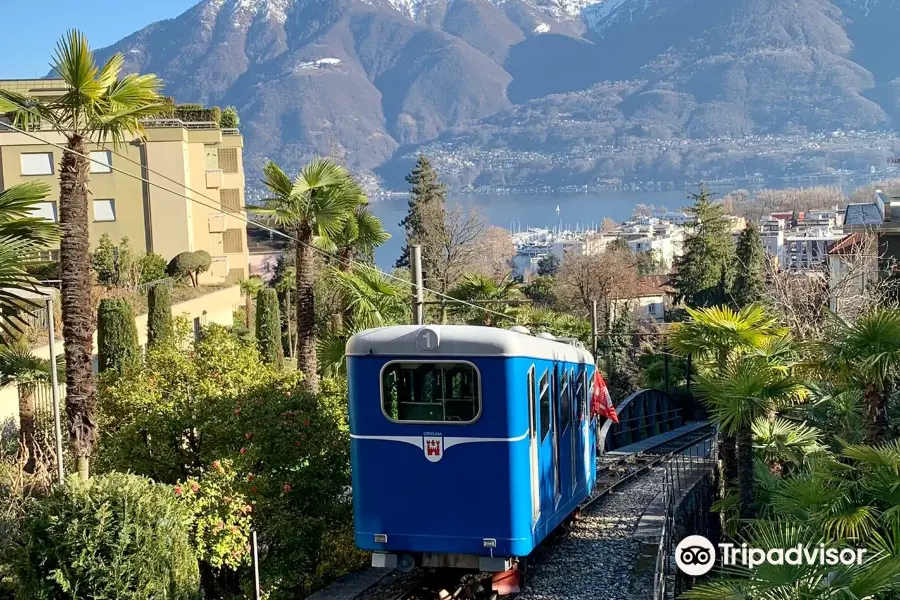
45 210
101 162
104 210
212 158
228 160
545 404
37 163
233 241
231 200
431 392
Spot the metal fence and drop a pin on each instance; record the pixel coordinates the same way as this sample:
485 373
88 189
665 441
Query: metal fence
682 474
143 288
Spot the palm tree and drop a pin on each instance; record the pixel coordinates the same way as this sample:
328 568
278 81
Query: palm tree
18 365
747 389
715 337
99 105
249 288
877 577
865 355
21 234
372 299
490 295
361 235
317 203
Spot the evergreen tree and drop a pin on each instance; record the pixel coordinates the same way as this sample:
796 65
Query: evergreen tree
706 269
427 190
268 327
548 265
750 280
159 314
117 337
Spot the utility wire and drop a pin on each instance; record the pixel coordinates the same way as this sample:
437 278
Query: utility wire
348 262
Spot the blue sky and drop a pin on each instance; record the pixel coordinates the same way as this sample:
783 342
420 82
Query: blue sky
29 37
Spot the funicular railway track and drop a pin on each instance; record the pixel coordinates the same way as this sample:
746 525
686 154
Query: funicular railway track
611 474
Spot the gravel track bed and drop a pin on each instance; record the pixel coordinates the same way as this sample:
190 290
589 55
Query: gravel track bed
594 559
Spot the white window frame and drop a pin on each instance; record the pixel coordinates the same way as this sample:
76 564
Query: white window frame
112 206
41 208
103 156
25 171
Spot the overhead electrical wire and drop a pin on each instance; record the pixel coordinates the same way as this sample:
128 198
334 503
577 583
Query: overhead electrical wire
218 208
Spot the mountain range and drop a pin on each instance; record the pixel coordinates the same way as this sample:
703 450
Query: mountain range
519 92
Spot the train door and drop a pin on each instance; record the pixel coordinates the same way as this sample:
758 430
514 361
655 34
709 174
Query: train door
554 412
574 408
533 450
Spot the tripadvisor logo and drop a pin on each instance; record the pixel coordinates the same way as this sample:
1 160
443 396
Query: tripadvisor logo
695 555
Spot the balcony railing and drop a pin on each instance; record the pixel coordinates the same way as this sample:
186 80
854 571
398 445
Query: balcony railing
231 131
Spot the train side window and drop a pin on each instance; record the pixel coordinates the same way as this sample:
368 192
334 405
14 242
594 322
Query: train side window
545 404
565 403
579 395
430 392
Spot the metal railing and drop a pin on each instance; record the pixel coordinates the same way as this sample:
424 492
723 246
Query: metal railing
178 123
681 473
143 288
231 131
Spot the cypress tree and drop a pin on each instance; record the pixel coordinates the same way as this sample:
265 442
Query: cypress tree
705 271
750 280
159 315
268 327
117 337
426 191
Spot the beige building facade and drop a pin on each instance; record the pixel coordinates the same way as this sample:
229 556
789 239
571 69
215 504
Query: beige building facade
194 199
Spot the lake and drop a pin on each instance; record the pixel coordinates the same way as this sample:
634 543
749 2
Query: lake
539 210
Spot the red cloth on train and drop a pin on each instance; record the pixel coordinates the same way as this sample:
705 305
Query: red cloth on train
601 402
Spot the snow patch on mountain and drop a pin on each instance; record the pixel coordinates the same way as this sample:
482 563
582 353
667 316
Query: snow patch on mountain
600 15
409 8
316 64
244 12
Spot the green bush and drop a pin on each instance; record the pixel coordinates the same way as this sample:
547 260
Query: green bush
217 401
103 261
193 113
117 338
115 536
190 265
230 118
159 313
268 327
43 271
153 267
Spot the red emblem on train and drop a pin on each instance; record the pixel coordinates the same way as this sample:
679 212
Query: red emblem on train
433 446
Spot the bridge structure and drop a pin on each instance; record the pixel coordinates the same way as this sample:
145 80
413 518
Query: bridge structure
642 415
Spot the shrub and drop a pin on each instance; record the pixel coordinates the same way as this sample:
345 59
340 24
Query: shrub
159 313
290 451
43 271
268 327
103 261
220 528
230 118
114 536
153 267
117 338
189 265
128 265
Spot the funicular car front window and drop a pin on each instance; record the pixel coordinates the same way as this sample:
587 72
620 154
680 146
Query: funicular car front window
431 392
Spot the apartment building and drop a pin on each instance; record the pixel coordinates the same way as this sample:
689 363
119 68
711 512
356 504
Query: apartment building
195 172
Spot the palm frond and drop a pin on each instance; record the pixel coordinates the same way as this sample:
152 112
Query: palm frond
16 207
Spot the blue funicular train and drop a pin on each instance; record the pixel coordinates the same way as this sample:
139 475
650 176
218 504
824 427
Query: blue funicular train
469 444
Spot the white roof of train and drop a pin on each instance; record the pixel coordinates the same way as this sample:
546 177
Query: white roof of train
461 340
